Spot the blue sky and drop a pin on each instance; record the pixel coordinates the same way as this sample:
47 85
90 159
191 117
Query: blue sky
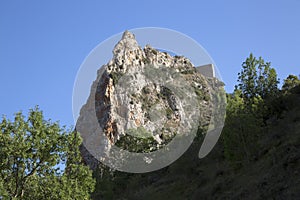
43 43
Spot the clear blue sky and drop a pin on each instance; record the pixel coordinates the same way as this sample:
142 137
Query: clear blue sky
43 43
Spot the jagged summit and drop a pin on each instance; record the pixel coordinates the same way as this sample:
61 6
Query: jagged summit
150 108
128 35
127 51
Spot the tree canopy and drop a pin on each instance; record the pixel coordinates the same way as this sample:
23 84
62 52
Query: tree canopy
290 82
39 159
257 78
248 109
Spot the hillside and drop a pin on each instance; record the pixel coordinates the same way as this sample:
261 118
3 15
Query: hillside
133 113
273 173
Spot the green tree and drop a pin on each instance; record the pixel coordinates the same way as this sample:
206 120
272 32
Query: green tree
41 160
241 130
257 78
290 82
248 109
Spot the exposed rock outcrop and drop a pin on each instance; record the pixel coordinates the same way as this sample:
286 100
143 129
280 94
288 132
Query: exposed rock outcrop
127 101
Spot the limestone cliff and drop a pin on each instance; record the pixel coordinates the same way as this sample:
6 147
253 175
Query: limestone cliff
148 108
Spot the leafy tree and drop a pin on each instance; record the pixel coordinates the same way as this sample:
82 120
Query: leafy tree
257 78
248 109
290 82
41 160
104 188
241 130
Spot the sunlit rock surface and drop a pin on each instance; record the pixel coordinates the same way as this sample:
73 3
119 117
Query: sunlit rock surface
127 103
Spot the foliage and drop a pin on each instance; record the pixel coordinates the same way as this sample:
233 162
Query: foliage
104 189
241 131
137 140
201 95
41 160
255 102
257 78
248 109
290 82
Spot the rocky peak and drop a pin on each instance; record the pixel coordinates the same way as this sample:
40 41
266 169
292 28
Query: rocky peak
148 108
127 52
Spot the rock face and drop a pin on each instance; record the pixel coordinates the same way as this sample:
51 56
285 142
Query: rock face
128 102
